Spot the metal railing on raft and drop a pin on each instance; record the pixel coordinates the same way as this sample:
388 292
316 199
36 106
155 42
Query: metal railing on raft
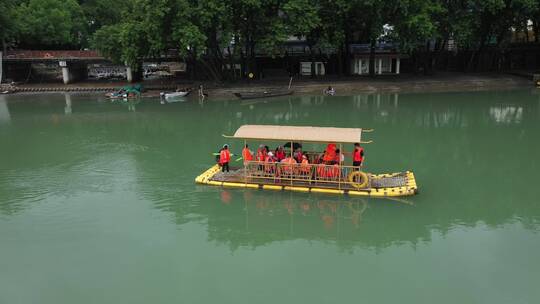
282 172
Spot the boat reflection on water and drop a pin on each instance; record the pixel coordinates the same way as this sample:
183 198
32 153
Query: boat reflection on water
5 116
67 109
256 218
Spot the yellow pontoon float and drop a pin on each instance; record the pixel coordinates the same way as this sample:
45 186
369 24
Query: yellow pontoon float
333 178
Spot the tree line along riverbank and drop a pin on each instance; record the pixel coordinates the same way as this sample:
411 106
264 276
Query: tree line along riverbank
226 39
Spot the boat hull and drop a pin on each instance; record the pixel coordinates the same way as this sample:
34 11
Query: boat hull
256 95
176 95
410 188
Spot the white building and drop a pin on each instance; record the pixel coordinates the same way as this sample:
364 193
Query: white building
386 58
305 68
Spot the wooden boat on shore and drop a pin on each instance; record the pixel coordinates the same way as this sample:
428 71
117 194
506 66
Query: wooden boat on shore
319 177
263 94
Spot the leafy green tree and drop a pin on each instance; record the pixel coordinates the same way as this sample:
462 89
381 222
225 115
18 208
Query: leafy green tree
416 29
303 21
336 29
99 13
140 33
8 23
49 23
257 26
108 41
128 30
489 23
201 31
368 18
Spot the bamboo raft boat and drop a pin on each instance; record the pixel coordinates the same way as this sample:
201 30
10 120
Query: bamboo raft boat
317 178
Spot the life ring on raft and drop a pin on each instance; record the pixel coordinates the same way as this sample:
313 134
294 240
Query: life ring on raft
358 179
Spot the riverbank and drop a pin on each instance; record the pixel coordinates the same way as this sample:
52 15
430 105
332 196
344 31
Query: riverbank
442 82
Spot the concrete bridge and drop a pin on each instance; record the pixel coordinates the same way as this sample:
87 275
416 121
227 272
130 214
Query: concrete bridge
74 63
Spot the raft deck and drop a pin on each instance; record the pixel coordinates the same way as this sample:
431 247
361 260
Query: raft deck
380 185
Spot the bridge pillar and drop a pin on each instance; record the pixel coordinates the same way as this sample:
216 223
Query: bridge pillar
73 71
65 72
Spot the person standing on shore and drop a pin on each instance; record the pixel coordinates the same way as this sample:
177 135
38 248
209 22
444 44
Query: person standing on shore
224 158
202 95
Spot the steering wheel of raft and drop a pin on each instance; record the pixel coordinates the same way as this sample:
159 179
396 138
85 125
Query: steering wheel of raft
358 179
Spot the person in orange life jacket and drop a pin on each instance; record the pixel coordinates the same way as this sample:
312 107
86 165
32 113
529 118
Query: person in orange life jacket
304 167
319 158
298 155
288 162
224 158
270 160
261 156
358 155
261 153
247 155
280 153
329 154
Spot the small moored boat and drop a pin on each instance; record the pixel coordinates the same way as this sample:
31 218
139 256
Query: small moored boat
130 91
175 95
263 94
312 176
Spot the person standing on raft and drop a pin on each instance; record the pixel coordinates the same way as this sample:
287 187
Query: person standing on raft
224 158
247 155
358 156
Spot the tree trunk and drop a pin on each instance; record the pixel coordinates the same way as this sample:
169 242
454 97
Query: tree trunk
194 67
372 58
211 69
252 59
232 67
526 31
312 59
427 58
340 61
440 51
536 31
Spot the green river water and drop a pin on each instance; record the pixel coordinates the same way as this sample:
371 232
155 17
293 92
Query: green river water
98 204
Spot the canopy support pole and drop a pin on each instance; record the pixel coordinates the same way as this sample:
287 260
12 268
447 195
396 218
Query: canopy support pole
244 161
339 165
292 156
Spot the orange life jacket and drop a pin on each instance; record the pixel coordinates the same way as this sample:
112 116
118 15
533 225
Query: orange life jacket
305 166
357 155
321 171
280 155
330 153
261 155
298 156
288 164
224 156
246 154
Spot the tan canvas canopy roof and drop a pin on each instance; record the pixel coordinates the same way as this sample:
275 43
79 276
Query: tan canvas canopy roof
299 134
